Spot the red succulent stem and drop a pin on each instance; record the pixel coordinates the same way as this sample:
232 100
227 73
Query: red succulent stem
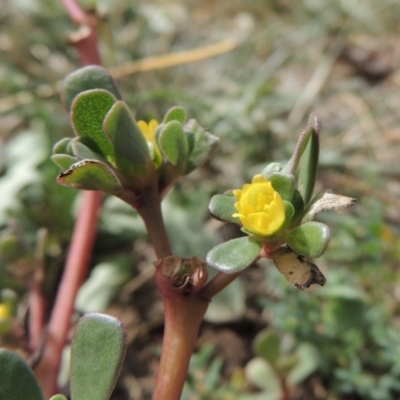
82 238
183 317
74 274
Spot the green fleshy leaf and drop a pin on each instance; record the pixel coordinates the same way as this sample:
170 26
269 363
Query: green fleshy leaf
283 184
126 136
234 255
173 143
87 78
98 350
90 175
309 162
88 112
309 239
17 381
270 169
222 206
175 114
62 146
289 212
83 152
64 161
202 145
298 204
302 142
267 345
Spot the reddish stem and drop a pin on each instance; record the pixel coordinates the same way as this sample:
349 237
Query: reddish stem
81 241
75 11
183 316
74 274
85 39
37 307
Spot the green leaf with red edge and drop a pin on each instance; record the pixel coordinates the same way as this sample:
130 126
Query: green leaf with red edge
309 239
90 175
87 78
17 381
98 350
234 255
222 207
88 112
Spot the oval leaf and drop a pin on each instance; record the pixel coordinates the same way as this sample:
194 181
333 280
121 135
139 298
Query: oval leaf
64 161
17 381
202 145
125 134
270 169
87 114
62 146
90 175
234 255
175 114
98 350
222 206
173 143
87 78
83 152
283 184
310 239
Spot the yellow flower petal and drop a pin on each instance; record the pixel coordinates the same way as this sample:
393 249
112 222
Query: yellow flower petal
260 208
149 133
5 311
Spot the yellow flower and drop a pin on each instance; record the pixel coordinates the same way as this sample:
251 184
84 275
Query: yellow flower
149 133
260 207
5 311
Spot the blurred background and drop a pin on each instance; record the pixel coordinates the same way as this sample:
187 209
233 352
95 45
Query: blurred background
270 64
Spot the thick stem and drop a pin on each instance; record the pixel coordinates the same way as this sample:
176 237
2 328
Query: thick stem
74 274
216 284
149 208
183 316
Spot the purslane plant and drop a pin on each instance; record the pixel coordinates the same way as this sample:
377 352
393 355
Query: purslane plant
139 162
